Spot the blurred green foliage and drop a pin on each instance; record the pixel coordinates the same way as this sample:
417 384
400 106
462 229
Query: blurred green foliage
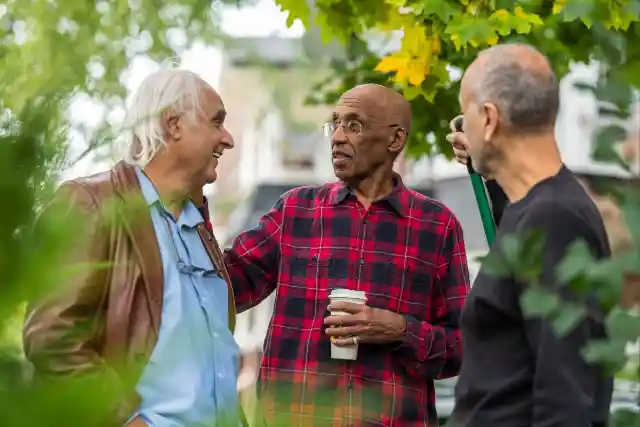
52 51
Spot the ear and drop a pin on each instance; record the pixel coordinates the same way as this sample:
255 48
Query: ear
171 124
491 120
398 140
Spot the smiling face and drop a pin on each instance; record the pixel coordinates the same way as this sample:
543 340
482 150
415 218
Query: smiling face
200 138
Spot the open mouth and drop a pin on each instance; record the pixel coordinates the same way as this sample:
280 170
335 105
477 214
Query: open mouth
217 155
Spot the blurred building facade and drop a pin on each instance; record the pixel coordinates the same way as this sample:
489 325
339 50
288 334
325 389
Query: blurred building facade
279 146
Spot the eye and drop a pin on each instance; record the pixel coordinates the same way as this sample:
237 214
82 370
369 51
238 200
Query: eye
216 124
354 126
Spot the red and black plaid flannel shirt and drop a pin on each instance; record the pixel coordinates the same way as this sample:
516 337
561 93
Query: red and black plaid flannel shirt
406 252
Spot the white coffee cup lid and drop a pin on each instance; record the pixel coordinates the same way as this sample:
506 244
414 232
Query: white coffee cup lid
348 293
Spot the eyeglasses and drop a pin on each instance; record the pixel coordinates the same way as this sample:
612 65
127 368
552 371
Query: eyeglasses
351 127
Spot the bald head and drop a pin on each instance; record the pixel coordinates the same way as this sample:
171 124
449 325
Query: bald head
383 103
519 80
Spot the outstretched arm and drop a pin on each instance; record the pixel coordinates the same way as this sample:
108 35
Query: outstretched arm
254 258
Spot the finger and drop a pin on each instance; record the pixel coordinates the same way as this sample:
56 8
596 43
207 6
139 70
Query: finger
452 123
347 331
347 307
458 140
349 320
333 320
344 342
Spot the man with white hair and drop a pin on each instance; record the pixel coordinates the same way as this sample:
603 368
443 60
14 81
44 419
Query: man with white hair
159 318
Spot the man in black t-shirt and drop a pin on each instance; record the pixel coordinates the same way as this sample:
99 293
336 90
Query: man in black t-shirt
516 371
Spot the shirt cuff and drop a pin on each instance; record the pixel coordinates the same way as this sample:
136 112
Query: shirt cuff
412 333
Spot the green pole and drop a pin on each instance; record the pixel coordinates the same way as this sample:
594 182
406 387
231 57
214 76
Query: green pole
480 193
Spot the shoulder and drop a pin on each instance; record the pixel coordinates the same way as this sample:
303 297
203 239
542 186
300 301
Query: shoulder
427 209
566 220
86 192
309 195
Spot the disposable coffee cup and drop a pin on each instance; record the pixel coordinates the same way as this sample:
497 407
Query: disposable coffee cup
354 297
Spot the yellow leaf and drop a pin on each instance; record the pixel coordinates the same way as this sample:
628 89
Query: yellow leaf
401 76
435 45
521 13
414 40
392 63
535 19
501 15
492 40
455 39
558 5
417 71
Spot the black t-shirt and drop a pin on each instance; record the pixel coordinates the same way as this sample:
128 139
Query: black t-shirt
516 372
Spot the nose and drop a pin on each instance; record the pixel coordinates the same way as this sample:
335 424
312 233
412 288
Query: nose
339 136
227 139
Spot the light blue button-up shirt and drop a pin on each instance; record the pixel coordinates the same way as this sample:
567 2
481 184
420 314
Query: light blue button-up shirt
191 377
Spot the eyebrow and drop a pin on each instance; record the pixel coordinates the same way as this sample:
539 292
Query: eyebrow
220 115
348 116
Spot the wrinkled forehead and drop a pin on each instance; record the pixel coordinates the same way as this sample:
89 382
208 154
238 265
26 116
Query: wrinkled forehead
357 105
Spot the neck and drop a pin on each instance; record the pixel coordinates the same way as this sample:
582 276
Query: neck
173 185
374 187
532 159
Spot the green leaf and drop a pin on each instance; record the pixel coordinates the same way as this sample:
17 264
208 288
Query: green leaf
614 91
630 208
610 355
296 10
604 279
539 302
567 317
623 325
411 92
577 259
606 139
577 9
511 248
442 9
494 265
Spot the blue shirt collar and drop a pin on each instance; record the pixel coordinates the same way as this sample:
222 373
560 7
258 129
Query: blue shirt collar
190 215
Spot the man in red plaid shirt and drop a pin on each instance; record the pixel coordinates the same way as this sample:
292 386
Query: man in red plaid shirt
365 232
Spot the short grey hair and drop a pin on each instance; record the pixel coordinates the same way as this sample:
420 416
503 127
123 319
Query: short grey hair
170 89
528 99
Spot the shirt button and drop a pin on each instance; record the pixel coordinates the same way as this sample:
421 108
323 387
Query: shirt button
220 374
361 261
215 335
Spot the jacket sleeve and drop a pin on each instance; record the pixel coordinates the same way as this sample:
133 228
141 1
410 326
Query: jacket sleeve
254 258
62 325
433 350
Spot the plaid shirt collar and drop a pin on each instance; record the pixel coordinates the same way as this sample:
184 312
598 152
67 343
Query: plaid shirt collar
399 199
